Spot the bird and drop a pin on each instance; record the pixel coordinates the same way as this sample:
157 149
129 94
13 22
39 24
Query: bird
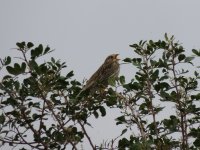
109 69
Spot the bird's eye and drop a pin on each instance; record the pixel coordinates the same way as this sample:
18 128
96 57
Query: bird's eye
111 57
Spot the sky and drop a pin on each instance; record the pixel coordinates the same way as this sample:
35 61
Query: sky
84 32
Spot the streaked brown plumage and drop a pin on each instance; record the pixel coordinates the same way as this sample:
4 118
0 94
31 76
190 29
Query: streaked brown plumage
109 69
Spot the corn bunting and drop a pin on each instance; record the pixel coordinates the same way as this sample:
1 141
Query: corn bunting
109 69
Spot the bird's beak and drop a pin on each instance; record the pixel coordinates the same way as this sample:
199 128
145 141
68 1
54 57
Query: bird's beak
117 59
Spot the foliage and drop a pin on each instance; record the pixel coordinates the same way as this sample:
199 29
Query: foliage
162 80
40 108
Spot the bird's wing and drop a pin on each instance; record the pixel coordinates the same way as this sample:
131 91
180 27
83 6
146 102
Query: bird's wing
93 79
106 72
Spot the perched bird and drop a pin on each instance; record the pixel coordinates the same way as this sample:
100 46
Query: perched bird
109 69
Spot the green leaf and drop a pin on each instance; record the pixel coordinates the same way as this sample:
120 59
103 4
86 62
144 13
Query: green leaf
132 86
53 60
7 77
151 42
134 45
112 101
164 77
136 61
122 80
196 74
23 67
157 87
7 60
129 60
70 74
40 49
47 49
121 119
172 123
158 109
21 45
123 143
194 132
29 45
17 85
162 86
37 52
17 67
154 76
36 116
166 37
12 101
11 70
181 57
2 119
58 136
96 114
197 142
179 50
33 65
172 38
189 59
123 131
102 110
16 70
196 52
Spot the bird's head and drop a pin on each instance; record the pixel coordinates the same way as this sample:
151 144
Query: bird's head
112 58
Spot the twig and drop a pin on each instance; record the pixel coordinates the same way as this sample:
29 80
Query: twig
83 128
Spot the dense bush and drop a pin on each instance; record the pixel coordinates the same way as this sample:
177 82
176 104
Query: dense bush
40 108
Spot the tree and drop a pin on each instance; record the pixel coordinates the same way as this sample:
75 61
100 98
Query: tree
40 110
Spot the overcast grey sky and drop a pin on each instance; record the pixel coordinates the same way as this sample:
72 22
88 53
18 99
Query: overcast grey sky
84 32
